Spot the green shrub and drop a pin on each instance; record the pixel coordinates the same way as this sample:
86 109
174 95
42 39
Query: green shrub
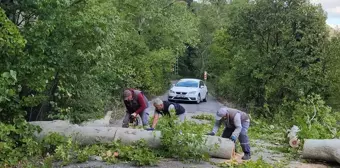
315 119
17 142
204 117
183 141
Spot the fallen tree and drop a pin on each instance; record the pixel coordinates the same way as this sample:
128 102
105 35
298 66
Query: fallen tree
322 149
86 135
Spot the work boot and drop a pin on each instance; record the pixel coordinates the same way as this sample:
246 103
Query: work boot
246 156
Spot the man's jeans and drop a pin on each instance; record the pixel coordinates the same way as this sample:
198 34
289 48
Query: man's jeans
243 137
144 115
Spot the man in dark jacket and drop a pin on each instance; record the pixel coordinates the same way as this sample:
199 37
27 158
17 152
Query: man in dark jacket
136 104
236 126
165 108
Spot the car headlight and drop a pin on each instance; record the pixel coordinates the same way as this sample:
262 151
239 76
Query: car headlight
193 92
171 91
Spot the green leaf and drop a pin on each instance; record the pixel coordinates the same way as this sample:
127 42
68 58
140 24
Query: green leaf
13 75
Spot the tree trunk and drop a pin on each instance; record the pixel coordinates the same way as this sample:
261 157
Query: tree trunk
322 149
97 134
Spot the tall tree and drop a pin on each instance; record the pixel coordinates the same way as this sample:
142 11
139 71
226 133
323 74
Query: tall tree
81 53
275 52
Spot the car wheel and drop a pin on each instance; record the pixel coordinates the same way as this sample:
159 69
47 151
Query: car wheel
198 99
206 97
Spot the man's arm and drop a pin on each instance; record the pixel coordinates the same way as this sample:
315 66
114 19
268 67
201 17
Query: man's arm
171 108
216 126
238 125
142 103
155 120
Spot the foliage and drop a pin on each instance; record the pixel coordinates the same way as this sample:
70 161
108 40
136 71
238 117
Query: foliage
204 117
69 151
332 71
80 55
51 141
183 141
315 119
271 52
258 163
269 131
17 141
71 59
138 153
11 43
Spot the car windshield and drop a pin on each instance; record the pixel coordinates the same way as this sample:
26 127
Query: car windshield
187 84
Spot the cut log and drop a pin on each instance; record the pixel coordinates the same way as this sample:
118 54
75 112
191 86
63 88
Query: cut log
215 146
292 136
294 142
322 149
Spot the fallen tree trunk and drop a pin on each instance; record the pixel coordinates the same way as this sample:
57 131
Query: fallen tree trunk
322 149
215 146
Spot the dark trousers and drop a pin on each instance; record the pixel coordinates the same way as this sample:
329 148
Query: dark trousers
243 137
144 115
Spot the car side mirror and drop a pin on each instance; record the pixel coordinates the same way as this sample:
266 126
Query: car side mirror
172 85
202 86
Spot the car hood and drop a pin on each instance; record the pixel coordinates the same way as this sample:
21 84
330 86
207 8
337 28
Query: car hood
183 89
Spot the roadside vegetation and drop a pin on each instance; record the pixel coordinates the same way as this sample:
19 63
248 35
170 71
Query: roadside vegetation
70 60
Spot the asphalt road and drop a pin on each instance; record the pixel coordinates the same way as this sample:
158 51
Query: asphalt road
211 106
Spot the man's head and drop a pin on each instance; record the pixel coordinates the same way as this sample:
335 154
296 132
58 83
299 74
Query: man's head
158 103
222 113
127 95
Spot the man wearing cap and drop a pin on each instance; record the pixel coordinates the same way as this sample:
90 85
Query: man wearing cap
136 104
236 126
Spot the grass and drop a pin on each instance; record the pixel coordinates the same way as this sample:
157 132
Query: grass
204 117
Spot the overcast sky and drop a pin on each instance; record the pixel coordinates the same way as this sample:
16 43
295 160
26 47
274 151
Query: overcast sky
332 7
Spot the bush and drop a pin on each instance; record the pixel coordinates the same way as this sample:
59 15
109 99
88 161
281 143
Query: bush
68 151
17 142
315 119
183 141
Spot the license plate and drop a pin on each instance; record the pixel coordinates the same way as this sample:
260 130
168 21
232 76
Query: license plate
180 95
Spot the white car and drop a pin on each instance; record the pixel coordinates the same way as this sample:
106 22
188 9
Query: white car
188 90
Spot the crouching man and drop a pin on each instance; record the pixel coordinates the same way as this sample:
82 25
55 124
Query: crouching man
236 126
164 108
136 104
